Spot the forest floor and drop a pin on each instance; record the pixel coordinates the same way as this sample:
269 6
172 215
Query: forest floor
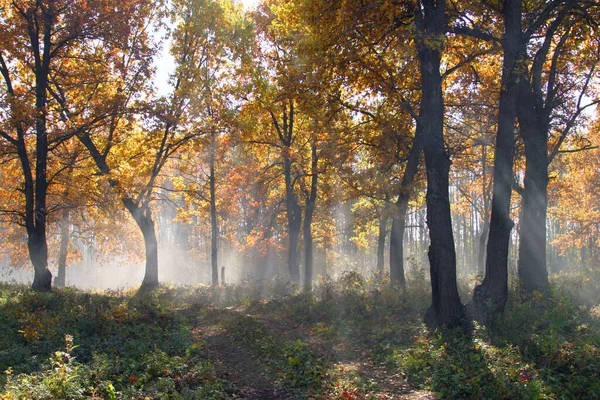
238 340
354 338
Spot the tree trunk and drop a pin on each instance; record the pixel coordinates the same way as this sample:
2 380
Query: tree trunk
63 250
535 117
474 245
308 218
397 245
141 214
143 218
446 308
466 247
151 244
38 252
37 242
490 297
399 216
532 249
36 225
214 228
481 245
382 234
285 131
294 219
308 249
486 210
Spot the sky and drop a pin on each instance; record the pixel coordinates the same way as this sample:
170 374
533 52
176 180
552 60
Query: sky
165 64
249 4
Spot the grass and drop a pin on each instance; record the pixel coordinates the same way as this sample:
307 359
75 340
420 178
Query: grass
349 339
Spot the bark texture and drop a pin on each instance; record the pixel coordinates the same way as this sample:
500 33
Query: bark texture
532 250
383 221
143 219
446 308
539 95
294 222
490 297
36 189
311 202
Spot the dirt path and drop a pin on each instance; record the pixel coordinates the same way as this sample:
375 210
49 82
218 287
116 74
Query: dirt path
248 375
391 386
353 361
251 378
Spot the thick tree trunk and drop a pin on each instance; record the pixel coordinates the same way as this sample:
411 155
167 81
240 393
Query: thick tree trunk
399 216
490 297
294 235
308 250
308 218
37 243
285 132
214 228
143 219
294 219
36 222
146 224
35 215
142 215
397 245
481 246
446 308
535 118
481 243
38 252
383 220
466 244
63 250
532 249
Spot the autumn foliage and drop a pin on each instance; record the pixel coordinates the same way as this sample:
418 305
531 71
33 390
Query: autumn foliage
302 139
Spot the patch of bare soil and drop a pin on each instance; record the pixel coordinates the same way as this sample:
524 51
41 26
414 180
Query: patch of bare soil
248 375
392 386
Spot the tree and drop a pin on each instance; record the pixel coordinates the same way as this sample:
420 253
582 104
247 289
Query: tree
278 84
212 38
431 25
138 152
490 297
41 41
311 200
550 99
399 220
517 43
380 91
428 21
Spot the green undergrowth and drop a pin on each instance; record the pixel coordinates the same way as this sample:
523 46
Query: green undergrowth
543 347
118 346
352 338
